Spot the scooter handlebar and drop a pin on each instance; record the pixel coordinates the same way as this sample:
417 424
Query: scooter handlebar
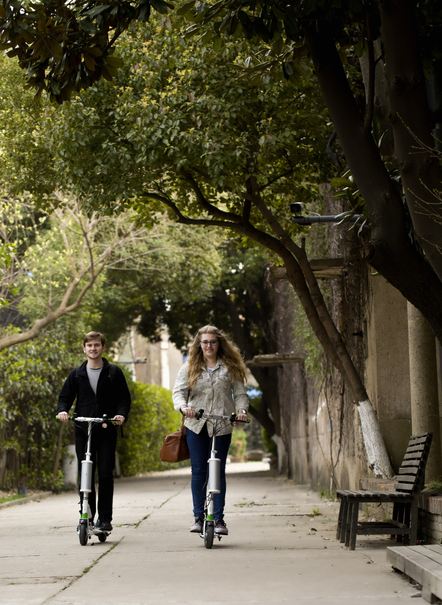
76 418
232 418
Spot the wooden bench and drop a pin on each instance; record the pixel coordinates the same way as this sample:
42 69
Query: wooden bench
423 564
405 498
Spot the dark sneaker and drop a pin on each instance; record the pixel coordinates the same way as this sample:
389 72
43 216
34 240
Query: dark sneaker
103 525
197 526
221 528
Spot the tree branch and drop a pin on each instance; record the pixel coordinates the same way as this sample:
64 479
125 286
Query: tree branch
206 205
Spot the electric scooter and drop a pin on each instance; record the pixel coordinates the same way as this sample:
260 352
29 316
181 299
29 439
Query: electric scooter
85 528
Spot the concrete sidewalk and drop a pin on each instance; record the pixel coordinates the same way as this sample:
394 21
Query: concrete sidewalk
275 552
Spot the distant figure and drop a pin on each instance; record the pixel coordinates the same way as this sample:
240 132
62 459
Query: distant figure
100 388
212 379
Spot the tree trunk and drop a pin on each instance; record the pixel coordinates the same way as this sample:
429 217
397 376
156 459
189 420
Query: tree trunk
374 443
420 171
390 250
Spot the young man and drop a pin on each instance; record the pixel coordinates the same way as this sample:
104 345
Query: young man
99 388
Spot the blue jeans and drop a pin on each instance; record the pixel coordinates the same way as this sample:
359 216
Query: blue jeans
199 448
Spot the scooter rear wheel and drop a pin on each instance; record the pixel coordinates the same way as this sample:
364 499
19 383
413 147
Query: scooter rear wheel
102 537
208 535
83 534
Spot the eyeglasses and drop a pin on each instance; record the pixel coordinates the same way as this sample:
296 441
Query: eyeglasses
206 343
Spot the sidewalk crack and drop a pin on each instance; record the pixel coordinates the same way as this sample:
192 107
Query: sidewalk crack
85 571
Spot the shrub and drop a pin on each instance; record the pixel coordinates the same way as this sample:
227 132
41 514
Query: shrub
238 445
151 418
32 374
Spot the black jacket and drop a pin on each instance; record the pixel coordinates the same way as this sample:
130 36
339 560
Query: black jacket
112 396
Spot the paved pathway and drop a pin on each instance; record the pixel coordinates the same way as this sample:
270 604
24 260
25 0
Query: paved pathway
275 553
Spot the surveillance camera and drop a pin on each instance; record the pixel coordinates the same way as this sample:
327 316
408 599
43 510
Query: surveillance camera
296 207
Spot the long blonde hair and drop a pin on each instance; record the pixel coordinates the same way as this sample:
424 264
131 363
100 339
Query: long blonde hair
228 353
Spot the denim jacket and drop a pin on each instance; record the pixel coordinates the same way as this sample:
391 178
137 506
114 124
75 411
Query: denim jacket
215 392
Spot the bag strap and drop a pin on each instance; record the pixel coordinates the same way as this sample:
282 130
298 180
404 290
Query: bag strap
183 415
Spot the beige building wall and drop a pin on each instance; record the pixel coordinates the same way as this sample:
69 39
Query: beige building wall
151 363
387 371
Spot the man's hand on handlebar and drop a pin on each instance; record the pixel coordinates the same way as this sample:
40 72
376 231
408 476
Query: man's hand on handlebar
63 416
118 419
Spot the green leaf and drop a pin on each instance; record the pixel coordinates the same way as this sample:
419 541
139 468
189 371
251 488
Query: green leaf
89 62
94 52
113 61
185 8
217 43
144 13
288 68
56 49
93 12
87 26
160 6
291 27
341 182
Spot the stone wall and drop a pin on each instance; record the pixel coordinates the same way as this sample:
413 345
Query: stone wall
430 518
319 419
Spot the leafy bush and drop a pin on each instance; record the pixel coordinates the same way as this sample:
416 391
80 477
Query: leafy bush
151 418
238 445
32 374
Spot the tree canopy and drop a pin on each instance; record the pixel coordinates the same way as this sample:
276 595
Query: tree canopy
398 44
64 46
384 120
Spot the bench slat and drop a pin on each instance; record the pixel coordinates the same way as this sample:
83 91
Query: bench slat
409 471
418 563
416 447
412 463
435 554
412 456
407 478
404 487
421 439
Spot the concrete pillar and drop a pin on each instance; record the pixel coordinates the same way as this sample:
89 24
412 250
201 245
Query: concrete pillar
424 387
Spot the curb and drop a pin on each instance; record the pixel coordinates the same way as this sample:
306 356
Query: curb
33 498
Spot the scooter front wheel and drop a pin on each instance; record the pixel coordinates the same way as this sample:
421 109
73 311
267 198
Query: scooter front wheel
208 535
83 534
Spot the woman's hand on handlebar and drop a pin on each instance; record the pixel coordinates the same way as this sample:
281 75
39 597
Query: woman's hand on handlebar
188 412
241 417
63 416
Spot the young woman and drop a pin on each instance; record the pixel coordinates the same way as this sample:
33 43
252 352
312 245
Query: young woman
212 379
